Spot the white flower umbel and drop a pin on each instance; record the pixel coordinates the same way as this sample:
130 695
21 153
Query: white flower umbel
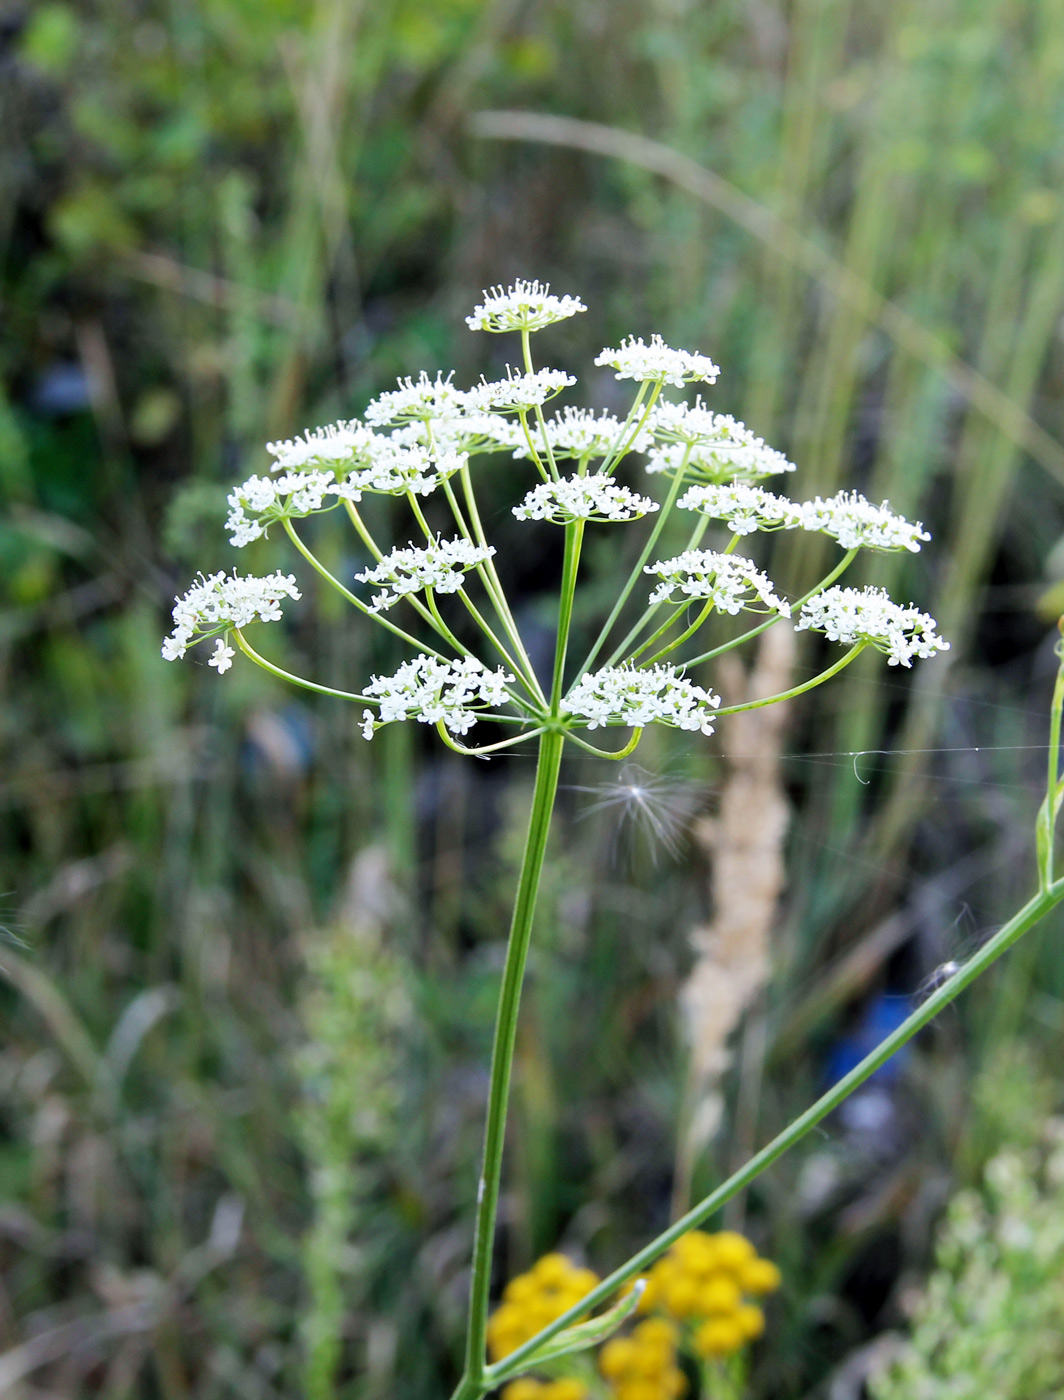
743 507
658 363
417 400
219 602
583 498
440 567
397 468
576 433
336 446
518 393
858 524
717 447
261 500
852 615
526 306
635 698
433 691
729 581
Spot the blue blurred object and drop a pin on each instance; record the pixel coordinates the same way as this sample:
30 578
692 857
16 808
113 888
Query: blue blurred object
881 1016
62 388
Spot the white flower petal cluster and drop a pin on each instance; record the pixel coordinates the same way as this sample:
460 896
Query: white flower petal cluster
743 507
518 393
857 523
658 363
526 306
219 602
852 615
396 468
583 498
632 697
576 433
261 500
717 446
728 580
440 567
417 400
431 691
337 445
222 656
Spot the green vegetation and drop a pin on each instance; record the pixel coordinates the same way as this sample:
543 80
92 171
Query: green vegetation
223 222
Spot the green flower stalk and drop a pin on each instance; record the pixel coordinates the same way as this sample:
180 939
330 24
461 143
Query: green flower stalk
429 437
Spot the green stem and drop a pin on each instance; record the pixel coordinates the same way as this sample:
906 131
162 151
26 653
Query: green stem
1031 913
651 612
252 655
614 754
550 753
818 679
316 564
679 641
1047 813
574 535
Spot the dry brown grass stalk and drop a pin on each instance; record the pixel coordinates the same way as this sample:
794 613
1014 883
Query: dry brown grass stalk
745 841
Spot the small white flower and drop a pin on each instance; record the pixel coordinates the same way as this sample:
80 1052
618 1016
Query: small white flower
222 658
432 691
857 523
635 698
417 401
717 446
218 602
440 567
583 498
519 392
852 615
728 580
577 433
526 306
745 508
261 500
658 363
337 445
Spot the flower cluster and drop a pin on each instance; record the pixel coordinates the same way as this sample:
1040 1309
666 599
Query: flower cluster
713 446
418 401
434 692
704 1282
643 1366
583 498
576 433
857 523
218 603
562 1388
743 507
440 566
657 363
526 306
518 393
338 445
729 581
261 500
530 1301
870 615
635 698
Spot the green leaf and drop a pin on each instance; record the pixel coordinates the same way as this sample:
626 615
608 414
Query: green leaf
578 1338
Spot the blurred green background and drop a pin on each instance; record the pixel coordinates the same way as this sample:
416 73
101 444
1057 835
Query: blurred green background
250 960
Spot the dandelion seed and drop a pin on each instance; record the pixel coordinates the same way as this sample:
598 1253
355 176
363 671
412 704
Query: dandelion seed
657 807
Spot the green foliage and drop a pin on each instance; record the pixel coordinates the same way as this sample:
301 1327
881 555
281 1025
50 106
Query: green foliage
991 1321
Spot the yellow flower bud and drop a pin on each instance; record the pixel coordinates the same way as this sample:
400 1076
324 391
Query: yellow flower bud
552 1270
564 1388
718 1337
732 1250
524 1389
718 1295
616 1357
520 1289
751 1320
759 1276
657 1330
674 1383
582 1281
680 1295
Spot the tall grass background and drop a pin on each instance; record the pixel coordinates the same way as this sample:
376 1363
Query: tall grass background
250 961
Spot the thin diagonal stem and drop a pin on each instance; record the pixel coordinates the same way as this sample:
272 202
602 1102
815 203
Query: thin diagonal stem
252 655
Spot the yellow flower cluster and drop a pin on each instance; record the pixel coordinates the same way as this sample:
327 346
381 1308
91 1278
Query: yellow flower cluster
530 1301
564 1388
705 1281
643 1366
